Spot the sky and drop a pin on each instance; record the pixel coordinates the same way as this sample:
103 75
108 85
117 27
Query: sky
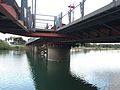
55 7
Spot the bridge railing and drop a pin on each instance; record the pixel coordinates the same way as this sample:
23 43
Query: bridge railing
26 15
75 12
44 21
24 12
69 17
33 20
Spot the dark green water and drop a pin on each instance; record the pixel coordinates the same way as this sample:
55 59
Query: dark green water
25 71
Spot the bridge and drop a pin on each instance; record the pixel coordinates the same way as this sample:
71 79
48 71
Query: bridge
102 25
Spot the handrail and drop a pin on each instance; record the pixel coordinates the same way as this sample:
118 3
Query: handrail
33 20
44 15
44 21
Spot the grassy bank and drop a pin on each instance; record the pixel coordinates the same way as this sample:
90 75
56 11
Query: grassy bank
95 46
17 47
102 46
5 46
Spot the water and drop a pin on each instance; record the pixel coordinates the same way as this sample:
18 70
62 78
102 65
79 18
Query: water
24 71
101 68
14 71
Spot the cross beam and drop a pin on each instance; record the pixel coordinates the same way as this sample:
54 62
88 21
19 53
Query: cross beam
50 35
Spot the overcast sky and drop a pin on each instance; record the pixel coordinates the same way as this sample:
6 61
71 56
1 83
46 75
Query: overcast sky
54 7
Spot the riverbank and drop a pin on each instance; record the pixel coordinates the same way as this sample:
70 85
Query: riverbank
5 46
17 47
96 47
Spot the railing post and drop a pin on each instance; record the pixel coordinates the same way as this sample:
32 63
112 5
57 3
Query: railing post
33 17
35 14
22 10
10 2
30 18
70 12
82 8
32 6
114 1
58 21
69 15
47 26
55 26
24 7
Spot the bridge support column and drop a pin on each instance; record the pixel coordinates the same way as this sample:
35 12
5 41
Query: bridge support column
42 50
35 49
59 53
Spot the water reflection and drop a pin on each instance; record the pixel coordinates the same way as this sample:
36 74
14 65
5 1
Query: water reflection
12 53
14 71
21 71
101 68
54 76
4 52
80 51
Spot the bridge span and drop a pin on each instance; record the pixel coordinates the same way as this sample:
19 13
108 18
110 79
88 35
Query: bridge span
99 26
102 25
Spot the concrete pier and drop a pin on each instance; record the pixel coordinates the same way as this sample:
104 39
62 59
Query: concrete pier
59 54
42 50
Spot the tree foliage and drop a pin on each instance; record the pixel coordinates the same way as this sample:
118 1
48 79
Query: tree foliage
4 45
16 40
19 41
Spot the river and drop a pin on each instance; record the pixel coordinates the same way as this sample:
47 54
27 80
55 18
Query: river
87 70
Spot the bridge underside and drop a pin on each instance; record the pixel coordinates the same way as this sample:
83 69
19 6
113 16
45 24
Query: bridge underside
8 26
10 23
9 19
100 26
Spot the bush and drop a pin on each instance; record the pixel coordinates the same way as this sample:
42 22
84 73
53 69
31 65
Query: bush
4 45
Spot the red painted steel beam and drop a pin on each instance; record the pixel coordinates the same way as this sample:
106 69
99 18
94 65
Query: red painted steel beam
8 11
1 1
50 35
11 13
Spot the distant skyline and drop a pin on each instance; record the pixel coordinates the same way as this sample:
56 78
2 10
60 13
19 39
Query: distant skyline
54 7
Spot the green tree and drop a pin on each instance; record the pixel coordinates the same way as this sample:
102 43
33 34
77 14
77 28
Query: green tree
18 41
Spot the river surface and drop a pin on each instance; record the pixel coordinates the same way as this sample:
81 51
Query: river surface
87 70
